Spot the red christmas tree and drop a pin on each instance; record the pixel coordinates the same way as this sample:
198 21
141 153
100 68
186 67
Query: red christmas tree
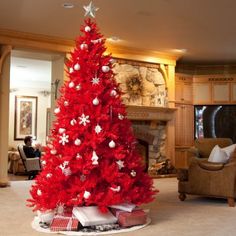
92 157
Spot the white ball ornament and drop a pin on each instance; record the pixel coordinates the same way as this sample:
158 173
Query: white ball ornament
73 122
120 116
57 110
43 162
39 192
95 101
87 28
83 46
77 142
113 93
112 60
87 194
78 156
112 144
78 87
61 130
49 175
71 84
76 66
53 151
105 69
71 70
66 103
133 173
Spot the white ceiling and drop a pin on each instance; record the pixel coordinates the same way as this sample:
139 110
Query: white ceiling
27 72
205 28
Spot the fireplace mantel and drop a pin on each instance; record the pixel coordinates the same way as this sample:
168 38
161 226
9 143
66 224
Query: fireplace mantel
150 113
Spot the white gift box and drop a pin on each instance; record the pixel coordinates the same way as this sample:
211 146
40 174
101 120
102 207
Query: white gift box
91 215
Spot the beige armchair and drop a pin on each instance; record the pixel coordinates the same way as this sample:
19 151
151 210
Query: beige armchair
32 165
208 178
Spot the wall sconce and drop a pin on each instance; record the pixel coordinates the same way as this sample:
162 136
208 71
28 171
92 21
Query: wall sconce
55 85
45 93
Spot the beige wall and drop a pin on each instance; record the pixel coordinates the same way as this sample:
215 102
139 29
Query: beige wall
43 104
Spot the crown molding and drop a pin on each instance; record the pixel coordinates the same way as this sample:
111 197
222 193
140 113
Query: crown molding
24 40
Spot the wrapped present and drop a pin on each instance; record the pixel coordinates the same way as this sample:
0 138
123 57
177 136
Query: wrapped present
64 222
128 219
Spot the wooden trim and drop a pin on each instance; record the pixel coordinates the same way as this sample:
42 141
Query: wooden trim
26 40
5 50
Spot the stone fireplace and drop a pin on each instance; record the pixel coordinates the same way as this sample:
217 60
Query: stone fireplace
151 127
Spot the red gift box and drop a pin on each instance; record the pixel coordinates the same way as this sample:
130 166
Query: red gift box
128 219
65 222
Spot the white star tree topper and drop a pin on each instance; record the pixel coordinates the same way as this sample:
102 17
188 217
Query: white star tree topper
90 10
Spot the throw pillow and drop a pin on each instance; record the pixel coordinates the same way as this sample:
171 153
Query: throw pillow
229 149
218 155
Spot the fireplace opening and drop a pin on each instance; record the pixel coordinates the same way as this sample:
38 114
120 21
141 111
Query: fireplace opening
143 149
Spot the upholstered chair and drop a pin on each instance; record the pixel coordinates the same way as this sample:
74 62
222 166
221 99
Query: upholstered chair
213 179
32 165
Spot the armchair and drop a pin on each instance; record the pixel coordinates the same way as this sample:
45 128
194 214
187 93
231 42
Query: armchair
208 178
31 165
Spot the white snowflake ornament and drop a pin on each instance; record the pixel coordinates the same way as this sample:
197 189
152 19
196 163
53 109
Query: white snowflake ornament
112 144
87 194
84 120
105 69
94 158
98 129
95 101
77 66
77 142
95 80
120 164
64 139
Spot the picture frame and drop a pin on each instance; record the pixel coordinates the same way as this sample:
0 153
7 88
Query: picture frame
26 108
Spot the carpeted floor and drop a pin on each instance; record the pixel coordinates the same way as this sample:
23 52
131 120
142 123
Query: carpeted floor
195 217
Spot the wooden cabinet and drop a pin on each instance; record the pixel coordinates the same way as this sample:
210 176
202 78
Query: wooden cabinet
202 93
233 92
184 124
221 92
214 90
183 90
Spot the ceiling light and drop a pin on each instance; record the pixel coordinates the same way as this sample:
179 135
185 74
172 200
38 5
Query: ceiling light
113 39
182 50
68 5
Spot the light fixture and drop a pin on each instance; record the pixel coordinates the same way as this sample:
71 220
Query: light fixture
68 5
114 39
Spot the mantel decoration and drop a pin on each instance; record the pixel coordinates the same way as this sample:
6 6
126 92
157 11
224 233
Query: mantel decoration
91 170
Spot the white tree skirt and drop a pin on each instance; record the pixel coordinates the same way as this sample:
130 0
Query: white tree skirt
35 225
